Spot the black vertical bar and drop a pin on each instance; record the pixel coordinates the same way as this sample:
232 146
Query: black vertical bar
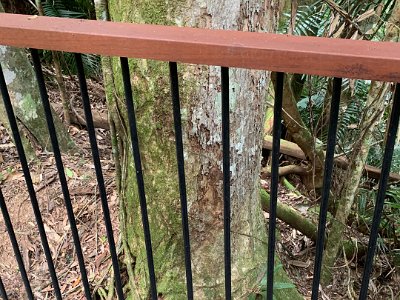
99 173
3 292
380 198
29 183
226 179
60 169
277 128
330 151
15 246
139 173
181 173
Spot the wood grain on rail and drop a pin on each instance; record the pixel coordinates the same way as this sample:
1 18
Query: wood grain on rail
307 55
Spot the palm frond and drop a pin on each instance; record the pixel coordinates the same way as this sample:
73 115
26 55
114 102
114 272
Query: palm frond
348 122
309 21
58 8
71 9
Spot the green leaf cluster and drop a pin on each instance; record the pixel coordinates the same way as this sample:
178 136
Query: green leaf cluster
262 287
77 9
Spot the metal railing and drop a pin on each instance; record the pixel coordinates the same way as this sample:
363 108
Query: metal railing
314 56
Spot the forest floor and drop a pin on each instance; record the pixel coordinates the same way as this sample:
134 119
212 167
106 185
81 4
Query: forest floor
85 198
295 250
297 253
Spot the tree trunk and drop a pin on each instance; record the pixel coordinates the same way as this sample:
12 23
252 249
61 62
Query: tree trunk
298 131
24 94
201 114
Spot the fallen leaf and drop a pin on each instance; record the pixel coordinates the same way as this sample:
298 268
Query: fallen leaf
52 234
100 258
36 178
76 282
14 176
6 146
69 172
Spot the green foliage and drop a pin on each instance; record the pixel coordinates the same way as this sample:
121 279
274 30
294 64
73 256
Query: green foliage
354 95
56 8
69 172
348 122
78 9
81 9
262 288
312 109
312 105
375 154
310 20
390 223
321 19
358 12
91 63
396 160
393 209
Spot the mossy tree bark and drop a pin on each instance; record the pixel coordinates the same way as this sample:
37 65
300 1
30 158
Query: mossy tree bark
24 94
201 106
373 113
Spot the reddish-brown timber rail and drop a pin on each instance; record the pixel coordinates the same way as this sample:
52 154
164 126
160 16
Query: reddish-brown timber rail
293 54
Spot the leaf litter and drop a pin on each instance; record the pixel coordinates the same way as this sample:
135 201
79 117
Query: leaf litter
86 204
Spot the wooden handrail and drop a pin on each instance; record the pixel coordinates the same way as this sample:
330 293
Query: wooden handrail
293 54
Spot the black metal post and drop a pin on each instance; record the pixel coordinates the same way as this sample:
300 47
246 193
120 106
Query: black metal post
15 246
3 293
60 169
99 173
29 183
139 174
277 128
181 173
380 198
330 151
226 179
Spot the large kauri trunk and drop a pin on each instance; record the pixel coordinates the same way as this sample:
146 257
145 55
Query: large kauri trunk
201 114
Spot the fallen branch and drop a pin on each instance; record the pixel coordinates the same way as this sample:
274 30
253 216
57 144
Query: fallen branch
289 186
283 171
297 221
100 119
290 216
286 147
292 149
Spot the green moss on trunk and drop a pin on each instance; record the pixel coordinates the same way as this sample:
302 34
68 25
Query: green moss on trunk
153 105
